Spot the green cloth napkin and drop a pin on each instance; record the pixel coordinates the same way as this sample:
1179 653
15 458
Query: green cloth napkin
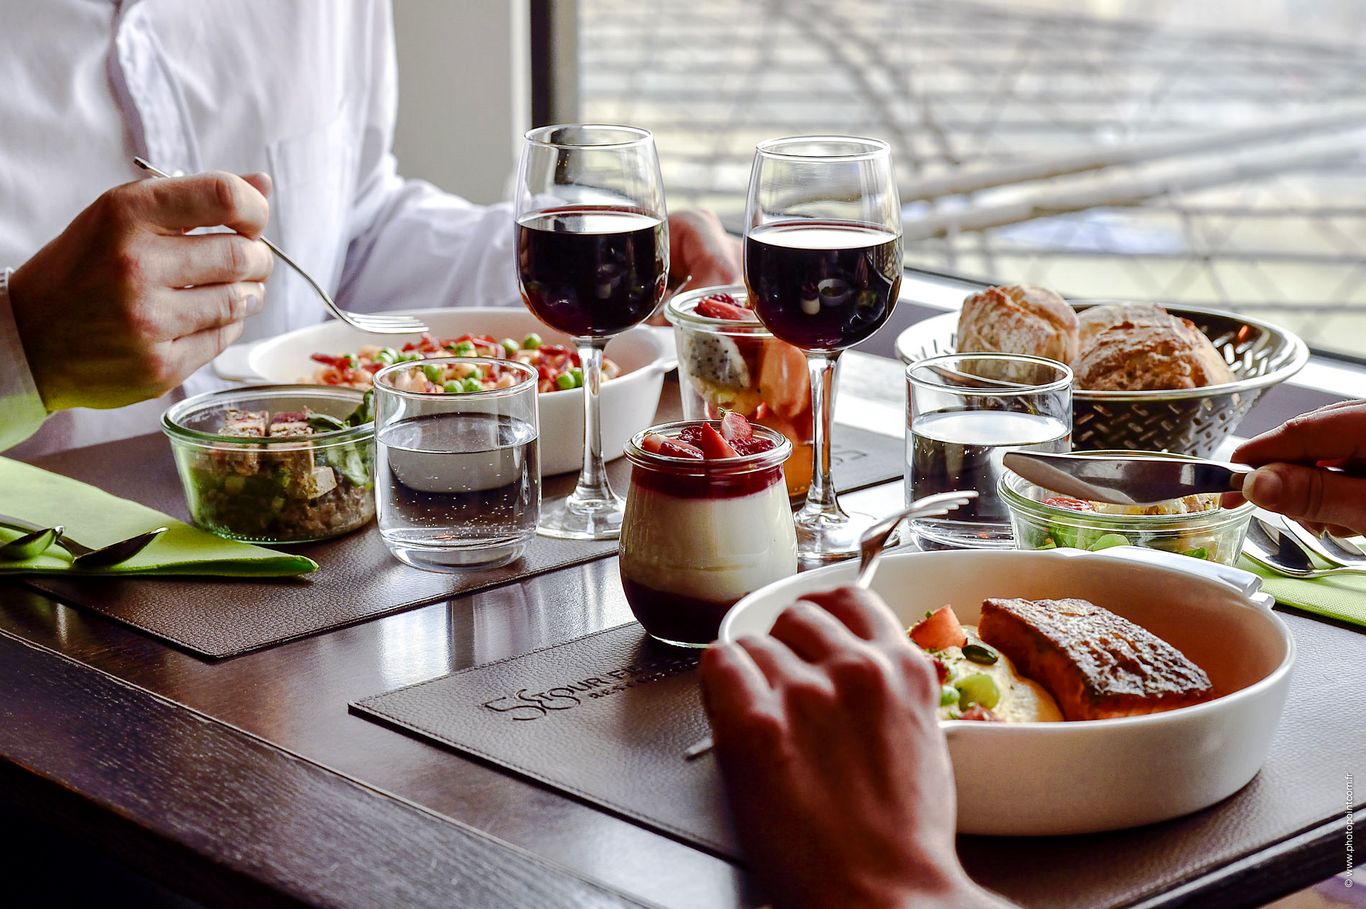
96 518
1342 598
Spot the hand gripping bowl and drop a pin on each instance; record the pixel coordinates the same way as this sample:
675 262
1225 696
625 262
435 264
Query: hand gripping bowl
1034 779
628 401
1191 421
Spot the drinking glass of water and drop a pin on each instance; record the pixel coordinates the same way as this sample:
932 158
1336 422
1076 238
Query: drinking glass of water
457 476
966 411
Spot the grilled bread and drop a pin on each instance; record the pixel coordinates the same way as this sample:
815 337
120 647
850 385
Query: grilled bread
1097 665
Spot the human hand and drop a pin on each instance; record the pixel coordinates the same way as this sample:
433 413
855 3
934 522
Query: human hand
122 305
834 763
699 246
1312 469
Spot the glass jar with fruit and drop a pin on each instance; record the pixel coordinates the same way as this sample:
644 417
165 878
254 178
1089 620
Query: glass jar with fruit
728 362
707 521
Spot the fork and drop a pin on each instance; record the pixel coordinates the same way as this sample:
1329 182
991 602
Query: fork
871 544
375 324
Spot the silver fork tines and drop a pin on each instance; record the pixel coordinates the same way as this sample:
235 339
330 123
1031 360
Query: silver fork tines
375 324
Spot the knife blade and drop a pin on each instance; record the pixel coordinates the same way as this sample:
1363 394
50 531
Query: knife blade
1126 480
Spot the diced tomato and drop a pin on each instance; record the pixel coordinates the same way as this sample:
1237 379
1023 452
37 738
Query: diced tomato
713 445
941 670
1069 503
981 714
328 359
939 630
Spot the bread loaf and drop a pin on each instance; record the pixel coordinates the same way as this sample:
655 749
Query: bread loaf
1095 319
1018 319
1147 354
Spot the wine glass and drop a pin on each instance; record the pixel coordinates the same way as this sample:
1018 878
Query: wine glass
823 270
592 262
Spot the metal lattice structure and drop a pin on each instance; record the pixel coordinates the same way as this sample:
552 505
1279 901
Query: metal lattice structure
1173 158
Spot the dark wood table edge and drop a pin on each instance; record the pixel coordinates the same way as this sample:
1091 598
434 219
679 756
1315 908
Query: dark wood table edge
224 876
1291 864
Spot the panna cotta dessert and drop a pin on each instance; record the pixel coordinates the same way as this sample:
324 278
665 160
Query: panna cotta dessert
708 520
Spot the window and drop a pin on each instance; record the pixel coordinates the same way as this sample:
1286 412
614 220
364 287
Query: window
1207 153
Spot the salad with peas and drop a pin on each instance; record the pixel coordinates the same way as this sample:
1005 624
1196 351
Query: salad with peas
556 365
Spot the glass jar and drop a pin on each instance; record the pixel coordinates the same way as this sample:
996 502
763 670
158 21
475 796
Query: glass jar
700 534
727 364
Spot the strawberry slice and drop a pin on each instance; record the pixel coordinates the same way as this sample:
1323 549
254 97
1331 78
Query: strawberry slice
676 449
714 308
653 442
735 428
714 445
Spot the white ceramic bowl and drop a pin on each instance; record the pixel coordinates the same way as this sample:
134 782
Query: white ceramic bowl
1084 777
628 401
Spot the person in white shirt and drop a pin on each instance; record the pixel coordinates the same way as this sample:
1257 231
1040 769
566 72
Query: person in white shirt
123 306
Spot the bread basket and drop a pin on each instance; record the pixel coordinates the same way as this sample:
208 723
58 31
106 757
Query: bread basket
1190 421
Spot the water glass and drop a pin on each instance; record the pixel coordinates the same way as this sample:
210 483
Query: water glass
965 411
457 475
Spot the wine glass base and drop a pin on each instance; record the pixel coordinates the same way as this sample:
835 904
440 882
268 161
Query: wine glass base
822 538
567 519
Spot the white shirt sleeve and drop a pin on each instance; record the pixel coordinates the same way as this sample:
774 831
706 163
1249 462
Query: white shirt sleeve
412 245
21 408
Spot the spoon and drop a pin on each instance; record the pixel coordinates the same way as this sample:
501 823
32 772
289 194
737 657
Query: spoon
30 545
1273 548
1346 553
870 553
86 557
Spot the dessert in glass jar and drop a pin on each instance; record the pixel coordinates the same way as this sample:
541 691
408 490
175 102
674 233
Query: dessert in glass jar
727 361
708 520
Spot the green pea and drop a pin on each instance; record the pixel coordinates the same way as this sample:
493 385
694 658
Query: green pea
577 373
978 688
532 341
1108 540
433 373
510 347
564 381
464 349
386 355
948 696
353 361
472 385
454 387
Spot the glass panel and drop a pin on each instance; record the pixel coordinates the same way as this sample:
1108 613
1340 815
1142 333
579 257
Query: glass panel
1206 153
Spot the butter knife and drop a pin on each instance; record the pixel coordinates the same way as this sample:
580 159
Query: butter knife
1126 480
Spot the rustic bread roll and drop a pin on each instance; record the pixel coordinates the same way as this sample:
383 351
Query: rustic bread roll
1018 319
1165 353
1093 320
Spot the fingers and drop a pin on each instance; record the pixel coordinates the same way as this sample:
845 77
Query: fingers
1331 433
204 200
211 259
700 246
261 182
775 660
735 693
812 633
192 351
1309 494
862 612
194 309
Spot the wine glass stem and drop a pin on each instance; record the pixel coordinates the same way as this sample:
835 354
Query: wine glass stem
593 485
820 497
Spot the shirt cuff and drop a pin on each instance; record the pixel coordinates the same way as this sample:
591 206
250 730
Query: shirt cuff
21 407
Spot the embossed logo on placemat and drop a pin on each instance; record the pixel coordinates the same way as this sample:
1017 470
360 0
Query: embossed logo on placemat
524 704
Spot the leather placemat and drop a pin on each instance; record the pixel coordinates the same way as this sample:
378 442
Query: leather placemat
605 718
358 579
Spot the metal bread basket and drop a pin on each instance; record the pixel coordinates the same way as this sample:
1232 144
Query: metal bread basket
1188 421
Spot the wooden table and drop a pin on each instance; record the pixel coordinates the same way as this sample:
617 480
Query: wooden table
247 782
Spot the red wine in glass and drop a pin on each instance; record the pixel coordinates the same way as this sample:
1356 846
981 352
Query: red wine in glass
822 285
591 271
